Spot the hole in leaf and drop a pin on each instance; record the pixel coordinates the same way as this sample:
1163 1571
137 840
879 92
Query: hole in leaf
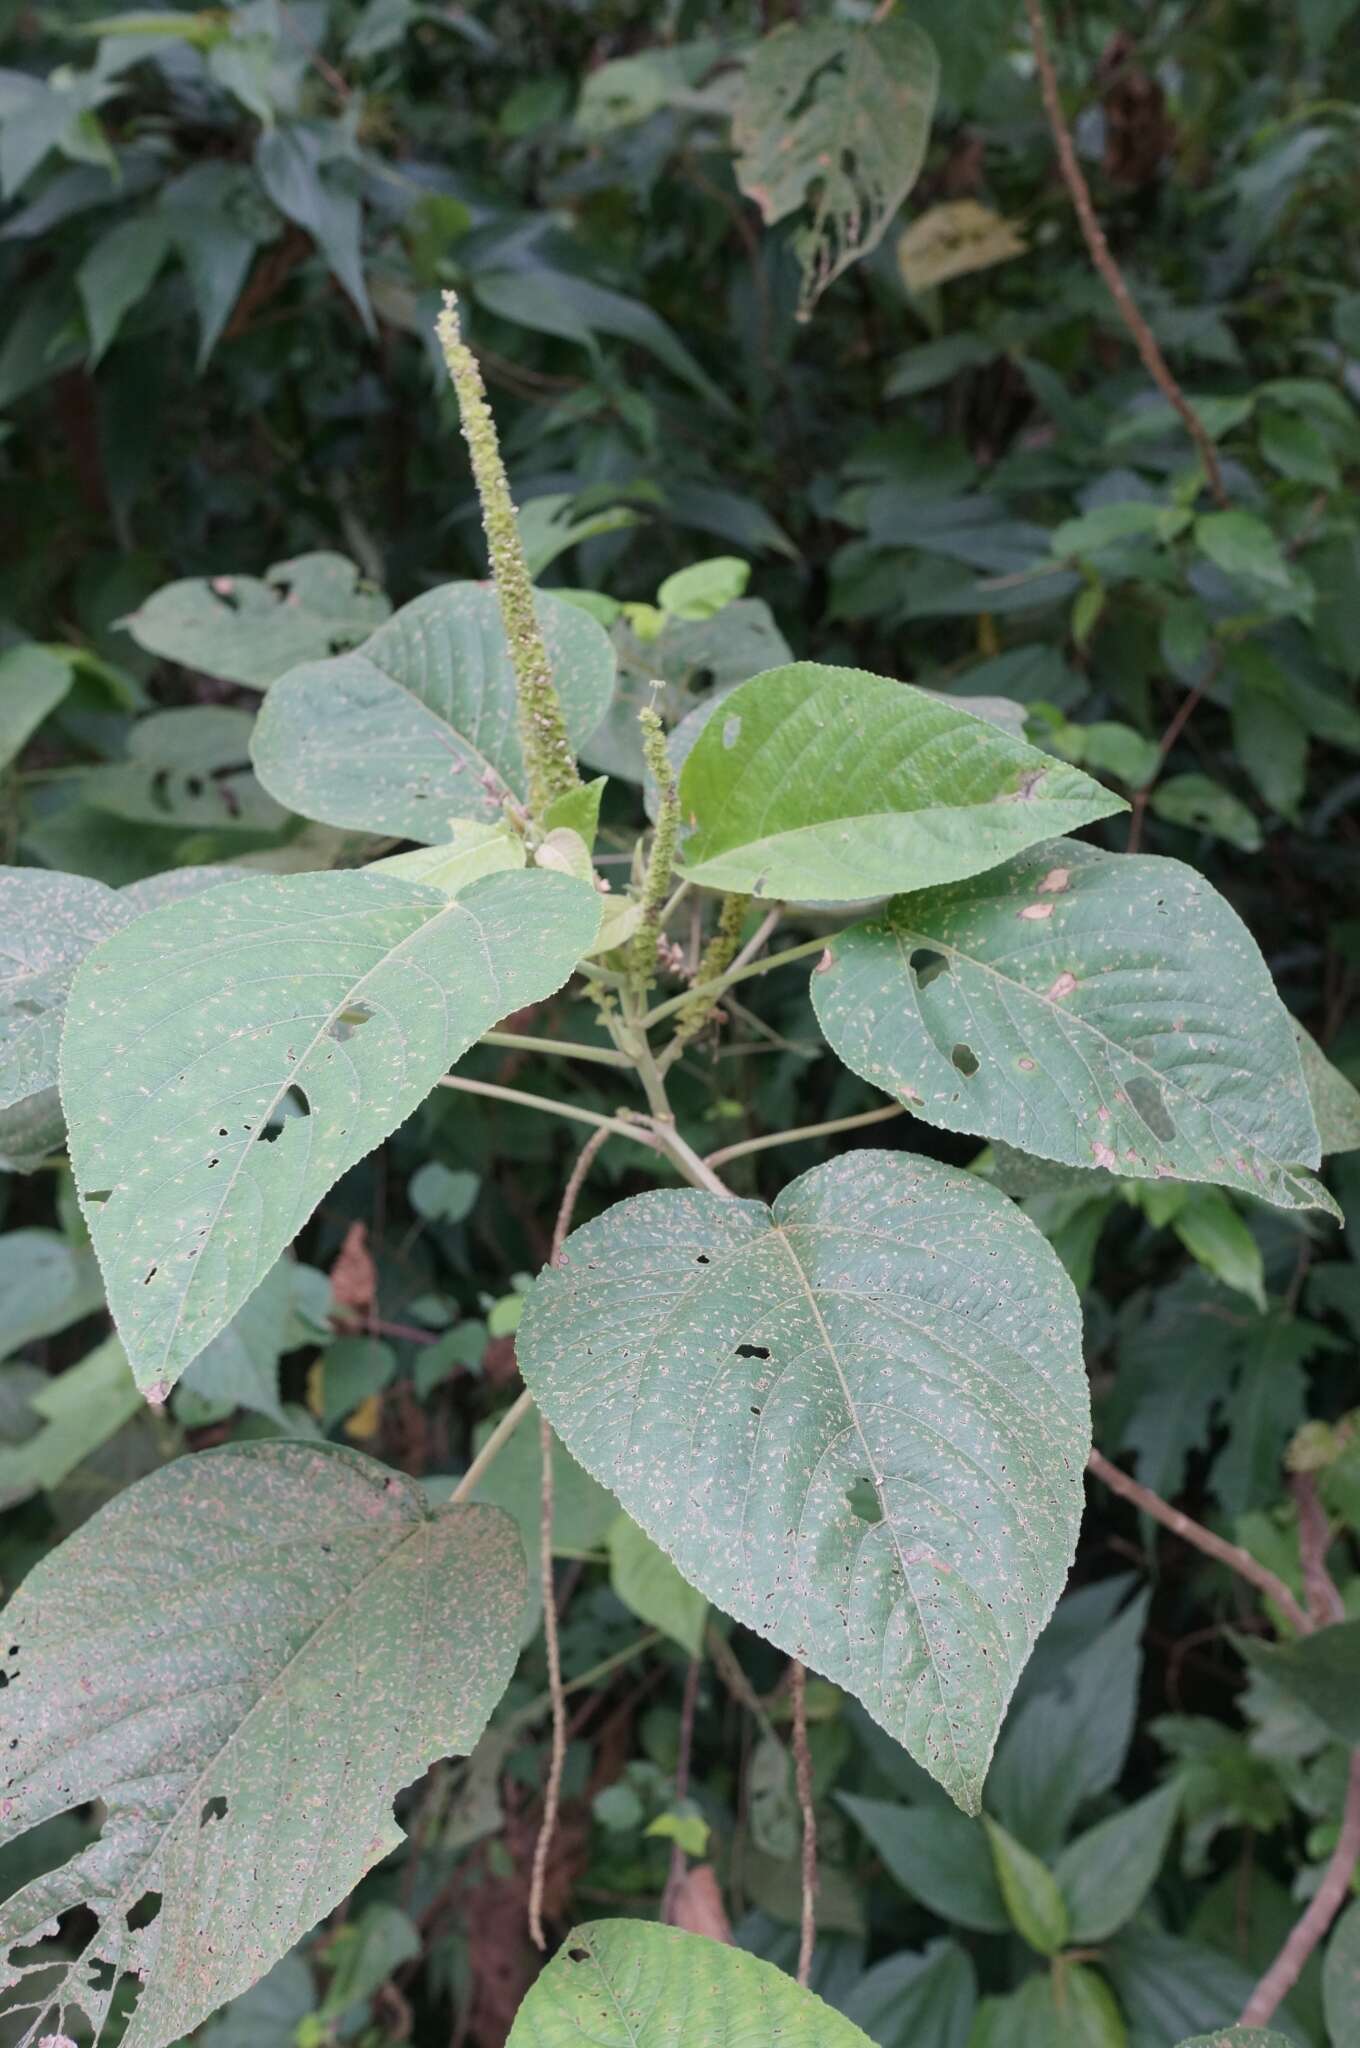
578 1955
965 1059
224 590
701 1259
160 790
99 1194
294 1104
145 1911
1146 1097
926 964
753 1351
349 1021
213 1809
150 1275
865 1504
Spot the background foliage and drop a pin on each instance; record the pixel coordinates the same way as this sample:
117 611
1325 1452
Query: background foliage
223 240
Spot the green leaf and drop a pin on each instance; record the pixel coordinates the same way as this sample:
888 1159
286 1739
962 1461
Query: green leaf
246 1730
223 1064
646 1581
1335 1099
583 1513
1242 545
293 167
1240 2037
443 1194
251 630
1107 1873
119 271
917 2001
240 1368
835 119
418 725
1298 449
1320 1671
1099 1009
1034 1904
33 681
352 1369
1203 805
937 1855
48 923
1071 2009
826 784
867 1479
189 768
1271 740
1218 1239
77 1411
471 851
46 1284
628 1984
1341 1979
1110 524
704 588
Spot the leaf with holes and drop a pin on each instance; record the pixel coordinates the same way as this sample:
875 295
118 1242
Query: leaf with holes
224 1062
250 630
828 785
191 768
856 1422
629 1984
418 725
835 118
246 1730
1100 1009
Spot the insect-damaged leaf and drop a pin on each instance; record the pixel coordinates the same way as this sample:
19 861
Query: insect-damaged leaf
418 725
246 1729
829 785
835 118
248 629
856 1422
225 1061
1100 1009
629 1984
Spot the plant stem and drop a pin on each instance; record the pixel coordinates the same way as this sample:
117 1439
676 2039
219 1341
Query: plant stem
1229 1554
1111 275
696 1171
525 1716
492 1448
827 1130
735 974
549 760
1326 1903
620 1126
565 1048
802 1772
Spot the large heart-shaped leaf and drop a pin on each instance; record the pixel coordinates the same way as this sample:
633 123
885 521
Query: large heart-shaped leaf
1100 1009
248 630
225 1061
835 116
419 725
856 1422
246 1729
629 1984
829 785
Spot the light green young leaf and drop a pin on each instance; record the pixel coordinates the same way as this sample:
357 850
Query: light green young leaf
251 630
1107 1873
247 1730
629 1984
1080 2014
883 1479
827 784
472 850
33 681
77 1411
1242 545
1219 1239
223 1064
703 589
1097 1009
645 1580
418 725
1034 1904
835 118
1335 1100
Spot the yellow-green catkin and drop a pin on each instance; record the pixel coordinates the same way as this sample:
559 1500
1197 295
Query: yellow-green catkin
656 881
717 957
548 757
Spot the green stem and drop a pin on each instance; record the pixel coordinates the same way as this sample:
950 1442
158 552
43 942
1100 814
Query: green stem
565 1048
713 989
622 1128
492 1448
525 1716
549 760
827 1130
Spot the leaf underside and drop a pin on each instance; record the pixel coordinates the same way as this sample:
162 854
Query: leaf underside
223 1064
817 784
857 1423
419 725
246 1729
1103 1010
249 630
